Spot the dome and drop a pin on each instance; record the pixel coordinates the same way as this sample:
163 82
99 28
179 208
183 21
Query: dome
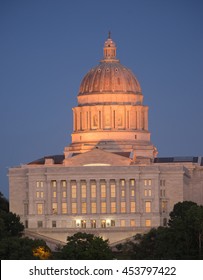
110 75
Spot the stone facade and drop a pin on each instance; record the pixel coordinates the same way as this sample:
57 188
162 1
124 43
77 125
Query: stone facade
109 180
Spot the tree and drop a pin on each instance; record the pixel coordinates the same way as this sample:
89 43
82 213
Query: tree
4 205
84 246
10 225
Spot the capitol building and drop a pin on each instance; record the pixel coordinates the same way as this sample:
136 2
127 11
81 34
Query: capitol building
109 181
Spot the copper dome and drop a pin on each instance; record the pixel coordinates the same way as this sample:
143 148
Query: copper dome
110 75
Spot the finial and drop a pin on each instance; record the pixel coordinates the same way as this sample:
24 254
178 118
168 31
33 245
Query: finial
109 35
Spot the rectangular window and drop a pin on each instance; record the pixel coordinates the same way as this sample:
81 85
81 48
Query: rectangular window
93 224
64 194
164 206
84 207
40 184
132 182
123 207
162 192
162 183
113 190
103 190
147 192
122 193
148 182
93 190
83 190
53 183
54 208
63 183
132 207
74 208
148 223
122 223
93 208
122 182
73 191
39 224
103 223
132 223
39 194
54 194
113 223
103 207
148 206
39 209
113 207
132 192
83 223
53 224
64 208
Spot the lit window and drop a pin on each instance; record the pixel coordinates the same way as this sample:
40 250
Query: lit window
54 208
122 193
40 184
73 191
103 207
63 183
37 194
148 182
132 207
147 192
53 183
147 206
84 191
93 224
54 193
64 194
123 207
39 208
113 207
83 223
103 223
148 223
122 223
122 181
74 208
132 182
132 192
132 223
103 190
64 207
93 190
84 207
113 190
93 208
164 206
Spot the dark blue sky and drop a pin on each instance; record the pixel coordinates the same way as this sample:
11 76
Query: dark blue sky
48 46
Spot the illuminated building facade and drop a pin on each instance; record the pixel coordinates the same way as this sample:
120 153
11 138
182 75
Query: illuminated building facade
109 181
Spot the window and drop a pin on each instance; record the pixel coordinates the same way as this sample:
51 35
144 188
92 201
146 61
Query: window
162 183
113 190
74 208
39 208
40 184
39 194
147 192
103 223
63 183
83 190
103 190
164 205
53 224
64 207
148 182
53 183
122 223
162 192
83 223
54 194
93 224
132 182
54 208
122 182
113 223
93 208
132 192
132 223
64 194
39 224
123 207
84 207
103 207
148 223
147 206
93 190
73 191
113 207
132 207
122 193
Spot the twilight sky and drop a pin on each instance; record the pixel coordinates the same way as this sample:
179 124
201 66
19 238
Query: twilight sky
46 47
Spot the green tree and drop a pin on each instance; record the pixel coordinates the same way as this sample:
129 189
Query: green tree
10 225
84 246
4 205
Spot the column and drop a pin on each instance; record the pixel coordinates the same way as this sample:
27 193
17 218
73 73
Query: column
118 198
98 198
108 196
58 195
127 196
78 197
69 206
